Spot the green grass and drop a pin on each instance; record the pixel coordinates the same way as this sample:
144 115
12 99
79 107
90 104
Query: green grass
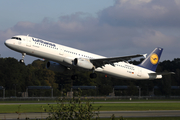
105 107
22 109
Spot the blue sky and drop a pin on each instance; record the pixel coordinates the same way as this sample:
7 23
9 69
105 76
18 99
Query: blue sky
12 12
105 27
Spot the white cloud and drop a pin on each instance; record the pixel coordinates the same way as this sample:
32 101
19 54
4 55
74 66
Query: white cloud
142 13
177 2
153 38
134 2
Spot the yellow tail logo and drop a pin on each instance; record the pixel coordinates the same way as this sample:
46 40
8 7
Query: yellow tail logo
154 58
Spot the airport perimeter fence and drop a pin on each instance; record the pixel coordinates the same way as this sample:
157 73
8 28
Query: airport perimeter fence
102 98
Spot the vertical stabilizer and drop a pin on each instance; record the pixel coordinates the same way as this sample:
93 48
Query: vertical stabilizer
152 60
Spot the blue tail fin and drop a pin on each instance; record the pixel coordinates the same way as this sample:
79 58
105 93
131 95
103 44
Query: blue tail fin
152 60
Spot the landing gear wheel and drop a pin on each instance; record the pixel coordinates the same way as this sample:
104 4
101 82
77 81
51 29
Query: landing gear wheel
74 77
21 60
93 75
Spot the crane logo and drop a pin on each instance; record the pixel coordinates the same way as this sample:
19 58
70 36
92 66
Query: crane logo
154 58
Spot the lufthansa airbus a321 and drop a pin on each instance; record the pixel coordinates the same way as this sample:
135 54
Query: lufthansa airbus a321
64 59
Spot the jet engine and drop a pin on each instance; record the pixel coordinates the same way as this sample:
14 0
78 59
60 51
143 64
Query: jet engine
54 66
83 63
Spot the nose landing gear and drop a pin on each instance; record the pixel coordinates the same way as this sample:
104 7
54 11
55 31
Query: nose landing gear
22 60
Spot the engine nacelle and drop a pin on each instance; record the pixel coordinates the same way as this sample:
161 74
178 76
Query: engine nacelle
54 66
83 63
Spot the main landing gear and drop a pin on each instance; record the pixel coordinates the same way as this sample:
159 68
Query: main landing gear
22 60
93 75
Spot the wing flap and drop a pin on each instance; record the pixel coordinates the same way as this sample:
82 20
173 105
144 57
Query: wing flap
102 61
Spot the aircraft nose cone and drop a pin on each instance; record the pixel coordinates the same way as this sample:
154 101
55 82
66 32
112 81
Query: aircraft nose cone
7 43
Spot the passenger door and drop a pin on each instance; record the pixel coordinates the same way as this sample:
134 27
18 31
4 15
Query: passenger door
28 41
61 51
139 72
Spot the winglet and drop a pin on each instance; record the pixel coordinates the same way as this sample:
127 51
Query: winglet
145 55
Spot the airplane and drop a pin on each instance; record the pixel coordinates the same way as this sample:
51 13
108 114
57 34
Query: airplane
65 59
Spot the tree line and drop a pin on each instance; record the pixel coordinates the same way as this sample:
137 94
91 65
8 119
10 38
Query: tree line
15 77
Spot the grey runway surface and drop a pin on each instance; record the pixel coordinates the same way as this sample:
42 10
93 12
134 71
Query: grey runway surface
104 114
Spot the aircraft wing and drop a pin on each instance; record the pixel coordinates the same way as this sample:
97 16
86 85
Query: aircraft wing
102 61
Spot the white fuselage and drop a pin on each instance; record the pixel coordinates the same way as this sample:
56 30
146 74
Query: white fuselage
58 53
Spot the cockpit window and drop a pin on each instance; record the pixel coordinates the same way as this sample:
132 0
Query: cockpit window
17 38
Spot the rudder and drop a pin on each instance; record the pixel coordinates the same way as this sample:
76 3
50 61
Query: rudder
152 60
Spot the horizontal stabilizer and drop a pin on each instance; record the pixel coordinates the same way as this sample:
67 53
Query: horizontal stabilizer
159 75
162 73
